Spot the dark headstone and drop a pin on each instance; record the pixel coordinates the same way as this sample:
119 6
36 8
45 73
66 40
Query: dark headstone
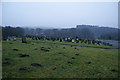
60 40
24 40
89 41
85 41
82 41
93 41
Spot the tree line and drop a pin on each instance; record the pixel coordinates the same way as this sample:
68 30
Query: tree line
12 31
81 31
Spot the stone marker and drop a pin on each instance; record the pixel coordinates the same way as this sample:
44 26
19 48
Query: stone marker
24 40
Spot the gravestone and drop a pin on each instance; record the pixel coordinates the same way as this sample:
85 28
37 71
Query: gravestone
24 40
7 40
73 40
60 40
89 41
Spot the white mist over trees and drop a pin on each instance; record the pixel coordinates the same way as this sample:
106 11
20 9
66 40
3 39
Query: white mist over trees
81 31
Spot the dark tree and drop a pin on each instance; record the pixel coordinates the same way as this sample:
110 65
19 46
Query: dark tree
12 31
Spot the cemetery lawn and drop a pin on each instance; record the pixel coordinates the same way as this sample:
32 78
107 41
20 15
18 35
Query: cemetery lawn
44 60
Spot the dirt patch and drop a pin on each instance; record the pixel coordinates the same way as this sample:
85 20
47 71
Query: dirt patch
63 47
7 59
6 63
3 50
98 73
44 49
73 57
24 55
35 49
59 53
23 69
15 49
89 62
69 62
54 68
63 67
36 65
77 54
75 48
49 48
113 70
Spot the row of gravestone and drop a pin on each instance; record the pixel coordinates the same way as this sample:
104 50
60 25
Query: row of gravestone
68 39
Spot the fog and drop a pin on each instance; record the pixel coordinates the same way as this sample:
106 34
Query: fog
59 14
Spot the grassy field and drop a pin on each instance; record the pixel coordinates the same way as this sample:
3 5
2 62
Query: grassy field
44 60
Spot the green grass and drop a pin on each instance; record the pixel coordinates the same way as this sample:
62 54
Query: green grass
102 61
106 40
77 44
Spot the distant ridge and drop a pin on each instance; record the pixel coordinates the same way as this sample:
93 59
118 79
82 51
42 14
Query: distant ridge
98 31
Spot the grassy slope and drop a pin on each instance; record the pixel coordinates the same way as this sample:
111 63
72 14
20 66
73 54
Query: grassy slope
103 61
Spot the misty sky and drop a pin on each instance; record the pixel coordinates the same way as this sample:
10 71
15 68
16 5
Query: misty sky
59 14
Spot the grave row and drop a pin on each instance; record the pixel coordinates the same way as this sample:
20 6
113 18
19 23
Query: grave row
68 39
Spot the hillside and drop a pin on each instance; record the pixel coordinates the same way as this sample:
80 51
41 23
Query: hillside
101 31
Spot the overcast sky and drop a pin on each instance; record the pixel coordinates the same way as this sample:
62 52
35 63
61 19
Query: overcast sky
59 14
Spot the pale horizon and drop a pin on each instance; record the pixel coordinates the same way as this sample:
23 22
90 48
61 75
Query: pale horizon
59 14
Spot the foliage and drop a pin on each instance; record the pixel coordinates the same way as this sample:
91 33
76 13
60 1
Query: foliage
12 31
